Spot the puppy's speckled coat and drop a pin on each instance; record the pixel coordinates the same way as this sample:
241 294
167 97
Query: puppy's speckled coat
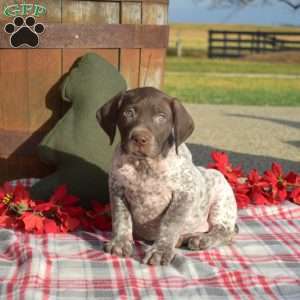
157 193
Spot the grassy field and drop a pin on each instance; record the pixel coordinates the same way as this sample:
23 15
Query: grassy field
229 66
267 80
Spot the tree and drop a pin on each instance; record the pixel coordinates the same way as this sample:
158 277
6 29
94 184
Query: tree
294 4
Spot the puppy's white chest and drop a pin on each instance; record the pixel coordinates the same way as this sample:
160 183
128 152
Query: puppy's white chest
148 193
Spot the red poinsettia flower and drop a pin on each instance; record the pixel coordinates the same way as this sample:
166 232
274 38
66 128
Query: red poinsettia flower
62 211
69 216
242 200
254 178
277 183
33 222
62 198
257 188
6 189
22 201
295 195
221 163
240 191
45 207
68 223
292 178
50 226
6 196
98 217
7 221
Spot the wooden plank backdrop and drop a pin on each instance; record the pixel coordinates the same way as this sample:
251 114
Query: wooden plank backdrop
30 104
131 13
26 110
153 60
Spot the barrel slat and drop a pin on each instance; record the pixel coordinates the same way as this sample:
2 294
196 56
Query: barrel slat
131 13
151 67
92 12
155 13
53 14
27 77
152 60
44 104
20 167
70 56
44 72
14 90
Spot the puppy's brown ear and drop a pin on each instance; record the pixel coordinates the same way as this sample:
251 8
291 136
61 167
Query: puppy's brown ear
183 123
107 115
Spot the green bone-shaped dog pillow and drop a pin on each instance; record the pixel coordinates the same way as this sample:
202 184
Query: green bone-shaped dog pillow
77 145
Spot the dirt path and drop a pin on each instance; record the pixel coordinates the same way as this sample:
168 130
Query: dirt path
252 136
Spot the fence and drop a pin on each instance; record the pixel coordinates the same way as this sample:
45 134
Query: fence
238 43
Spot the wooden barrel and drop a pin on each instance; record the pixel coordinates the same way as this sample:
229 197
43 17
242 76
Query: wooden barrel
131 34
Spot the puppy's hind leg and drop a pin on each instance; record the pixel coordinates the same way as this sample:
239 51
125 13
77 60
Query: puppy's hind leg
222 217
222 214
216 236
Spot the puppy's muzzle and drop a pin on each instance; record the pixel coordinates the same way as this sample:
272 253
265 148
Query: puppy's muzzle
141 142
141 137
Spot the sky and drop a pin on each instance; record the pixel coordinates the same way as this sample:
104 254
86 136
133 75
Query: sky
189 11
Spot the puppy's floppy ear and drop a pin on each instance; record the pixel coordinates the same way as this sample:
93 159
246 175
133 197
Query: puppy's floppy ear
107 115
183 122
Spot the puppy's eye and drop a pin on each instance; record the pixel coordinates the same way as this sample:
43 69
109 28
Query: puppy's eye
160 118
129 113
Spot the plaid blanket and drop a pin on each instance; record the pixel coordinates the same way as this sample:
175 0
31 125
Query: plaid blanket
262 263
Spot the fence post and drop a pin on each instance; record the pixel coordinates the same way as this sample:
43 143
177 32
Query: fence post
210 34
253 35
239 44
258 42
264 43
224 44
178 45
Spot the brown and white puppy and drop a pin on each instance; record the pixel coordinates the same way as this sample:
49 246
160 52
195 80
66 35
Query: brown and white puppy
156 192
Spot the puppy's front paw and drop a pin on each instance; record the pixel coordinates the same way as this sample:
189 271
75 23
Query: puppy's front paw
120 246
200 242
159 255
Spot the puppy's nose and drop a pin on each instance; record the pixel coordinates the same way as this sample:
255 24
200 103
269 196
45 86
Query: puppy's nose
140 137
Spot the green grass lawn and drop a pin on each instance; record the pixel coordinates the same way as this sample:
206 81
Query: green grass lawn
191 80
205 65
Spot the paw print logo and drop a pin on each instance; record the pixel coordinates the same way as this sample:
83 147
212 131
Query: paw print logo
24 32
